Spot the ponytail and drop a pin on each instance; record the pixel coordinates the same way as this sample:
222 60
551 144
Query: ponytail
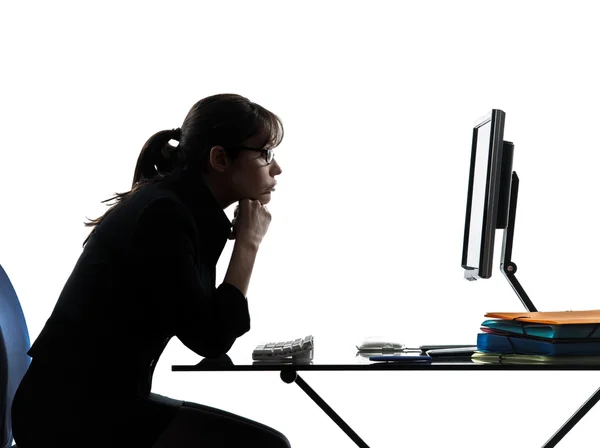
154 161
156 156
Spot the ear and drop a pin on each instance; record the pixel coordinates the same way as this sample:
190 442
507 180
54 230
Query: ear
218 159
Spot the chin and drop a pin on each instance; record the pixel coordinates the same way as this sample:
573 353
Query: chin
265 198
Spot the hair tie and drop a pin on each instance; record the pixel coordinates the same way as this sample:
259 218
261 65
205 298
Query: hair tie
176 133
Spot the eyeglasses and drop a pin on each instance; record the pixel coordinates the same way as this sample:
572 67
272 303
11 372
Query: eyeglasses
268 153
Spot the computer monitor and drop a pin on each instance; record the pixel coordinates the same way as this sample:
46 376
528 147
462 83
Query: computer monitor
483 196
491 203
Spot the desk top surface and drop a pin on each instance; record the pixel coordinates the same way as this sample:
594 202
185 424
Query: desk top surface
355 362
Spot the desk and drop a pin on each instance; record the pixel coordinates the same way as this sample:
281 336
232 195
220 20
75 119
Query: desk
289 374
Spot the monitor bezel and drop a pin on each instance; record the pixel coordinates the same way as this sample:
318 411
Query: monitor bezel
491 197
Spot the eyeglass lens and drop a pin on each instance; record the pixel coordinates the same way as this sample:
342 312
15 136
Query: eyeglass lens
269 155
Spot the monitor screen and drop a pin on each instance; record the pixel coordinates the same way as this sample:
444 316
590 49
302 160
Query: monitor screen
483 195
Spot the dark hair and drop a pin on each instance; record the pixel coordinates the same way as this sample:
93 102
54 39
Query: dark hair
225 119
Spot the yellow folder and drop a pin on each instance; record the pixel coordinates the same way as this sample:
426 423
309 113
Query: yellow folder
552 317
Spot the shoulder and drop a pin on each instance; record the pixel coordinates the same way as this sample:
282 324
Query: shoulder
163 208
164 227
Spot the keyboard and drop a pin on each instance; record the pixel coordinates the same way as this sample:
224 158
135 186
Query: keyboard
295 348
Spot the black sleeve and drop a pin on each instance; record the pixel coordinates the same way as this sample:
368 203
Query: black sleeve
205 319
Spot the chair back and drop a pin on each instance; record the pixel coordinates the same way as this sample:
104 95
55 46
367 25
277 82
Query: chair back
14 361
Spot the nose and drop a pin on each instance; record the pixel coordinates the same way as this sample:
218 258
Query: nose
275 168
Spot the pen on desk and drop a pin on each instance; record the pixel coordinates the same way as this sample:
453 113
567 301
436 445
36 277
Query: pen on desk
388 351
401 358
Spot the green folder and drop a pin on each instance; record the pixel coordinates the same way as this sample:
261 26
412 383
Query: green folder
514 358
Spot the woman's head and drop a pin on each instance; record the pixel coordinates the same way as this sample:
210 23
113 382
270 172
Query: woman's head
225 138
224 120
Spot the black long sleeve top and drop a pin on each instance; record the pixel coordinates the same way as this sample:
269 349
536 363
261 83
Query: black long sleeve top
146 274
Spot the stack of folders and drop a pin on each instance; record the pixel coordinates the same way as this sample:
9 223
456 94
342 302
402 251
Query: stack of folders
561 337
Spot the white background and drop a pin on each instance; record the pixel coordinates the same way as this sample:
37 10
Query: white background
378 104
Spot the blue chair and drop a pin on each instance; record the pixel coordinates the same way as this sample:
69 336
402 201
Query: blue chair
14 361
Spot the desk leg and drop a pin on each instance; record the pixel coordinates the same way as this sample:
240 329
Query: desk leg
290 376
557 437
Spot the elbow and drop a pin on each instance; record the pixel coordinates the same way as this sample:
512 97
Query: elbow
216 350
221 345
215 340
207 346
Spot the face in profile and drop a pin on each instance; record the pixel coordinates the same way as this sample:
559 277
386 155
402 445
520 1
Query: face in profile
253 177
249 175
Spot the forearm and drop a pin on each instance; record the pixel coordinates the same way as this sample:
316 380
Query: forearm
241 265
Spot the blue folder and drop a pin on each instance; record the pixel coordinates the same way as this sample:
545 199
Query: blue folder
546 331
495 343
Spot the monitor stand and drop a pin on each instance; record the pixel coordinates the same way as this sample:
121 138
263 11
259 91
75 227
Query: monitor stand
506 265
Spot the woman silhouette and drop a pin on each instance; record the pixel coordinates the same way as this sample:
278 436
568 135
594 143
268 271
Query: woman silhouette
146 274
